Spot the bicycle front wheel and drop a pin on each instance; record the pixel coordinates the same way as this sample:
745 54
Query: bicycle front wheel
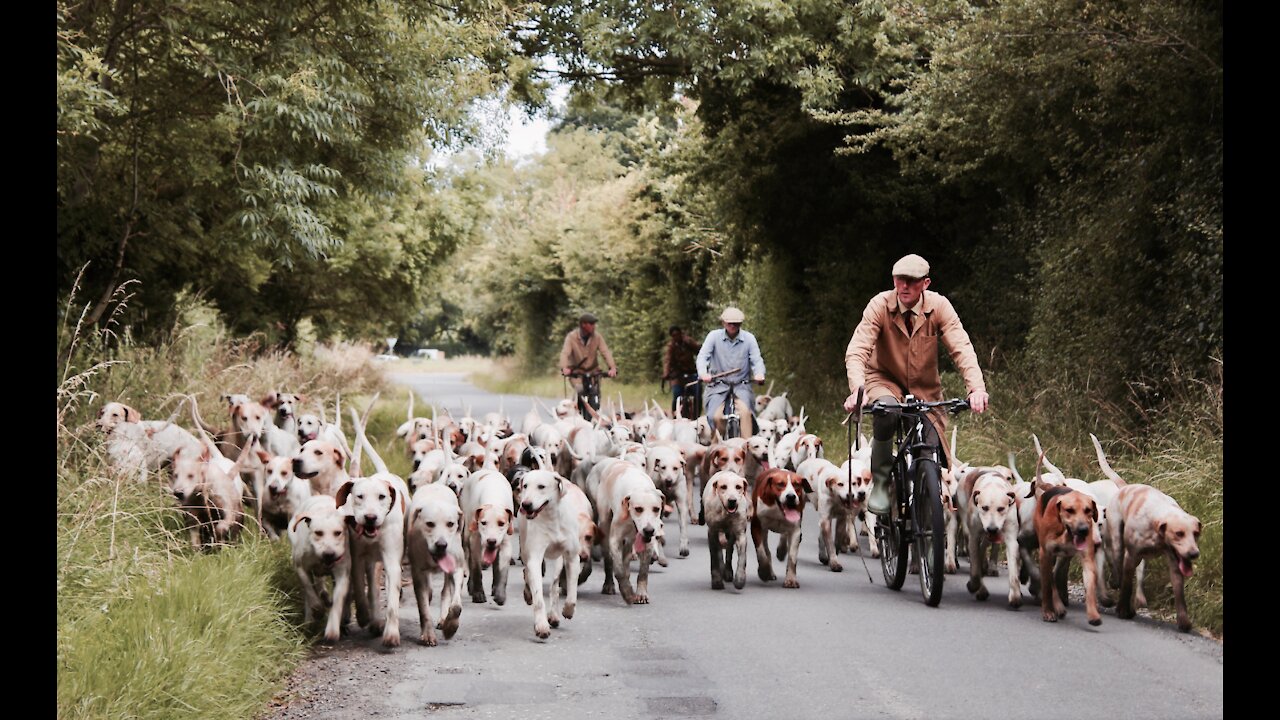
929 537
894 543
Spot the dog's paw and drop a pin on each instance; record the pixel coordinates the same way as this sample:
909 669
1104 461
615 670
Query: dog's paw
1015 601
1125 613
1095 621
875 553
1183 626
740 581
608 590
375 629
836 566
766 574
450 625
500 599
553 621
790 583
391 640
982 593
640 599
717 583
568 609
477 597
823 558
973 584
331 637
1062 612
726 573
684 551
661 560
428 639
950 567
542 630
1050 616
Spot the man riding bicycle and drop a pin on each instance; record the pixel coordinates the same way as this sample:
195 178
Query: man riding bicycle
578 359
734 351
680 369
894 353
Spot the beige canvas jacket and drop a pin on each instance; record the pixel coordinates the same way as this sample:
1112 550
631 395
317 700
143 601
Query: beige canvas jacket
882 356
575 350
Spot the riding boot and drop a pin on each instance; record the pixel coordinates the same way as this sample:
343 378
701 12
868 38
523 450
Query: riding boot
881 497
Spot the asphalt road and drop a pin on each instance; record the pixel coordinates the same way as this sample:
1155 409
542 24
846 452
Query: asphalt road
840 646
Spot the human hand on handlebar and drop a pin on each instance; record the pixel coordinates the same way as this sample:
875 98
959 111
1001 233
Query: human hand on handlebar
705 378
978 401
851 402
565 371
759 379
613 372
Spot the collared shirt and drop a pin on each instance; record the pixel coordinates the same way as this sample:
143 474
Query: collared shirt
720 353
580 355
883 357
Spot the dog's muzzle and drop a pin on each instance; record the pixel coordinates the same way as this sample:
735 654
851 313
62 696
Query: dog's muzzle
329 558
297 470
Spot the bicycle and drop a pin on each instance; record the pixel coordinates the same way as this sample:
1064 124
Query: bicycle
732 421
688 402
916 515
590 395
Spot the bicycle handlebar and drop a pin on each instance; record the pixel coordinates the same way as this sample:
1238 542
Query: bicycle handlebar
919 407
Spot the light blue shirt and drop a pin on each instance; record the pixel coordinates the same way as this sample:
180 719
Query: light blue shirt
718 354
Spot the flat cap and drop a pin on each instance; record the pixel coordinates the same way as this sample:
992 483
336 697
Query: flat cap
732 315
587 317
912 266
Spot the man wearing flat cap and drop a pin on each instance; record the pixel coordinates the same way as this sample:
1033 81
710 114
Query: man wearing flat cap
730 348
578 357
894 352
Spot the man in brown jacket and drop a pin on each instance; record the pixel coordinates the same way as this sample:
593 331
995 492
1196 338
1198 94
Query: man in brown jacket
894 352
579 356
679 367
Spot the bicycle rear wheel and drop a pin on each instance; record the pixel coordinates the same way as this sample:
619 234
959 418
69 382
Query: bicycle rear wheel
929 537
894 544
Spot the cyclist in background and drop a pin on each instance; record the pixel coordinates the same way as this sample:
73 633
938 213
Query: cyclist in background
578 357
679 368
730 348
894 353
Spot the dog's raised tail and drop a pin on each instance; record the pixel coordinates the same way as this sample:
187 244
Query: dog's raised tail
1014 468
1102 462
1044 459
207 438
363 442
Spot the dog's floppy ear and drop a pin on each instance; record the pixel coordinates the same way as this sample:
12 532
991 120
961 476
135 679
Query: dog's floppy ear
1093 510
300 398
804 483
1196 532
832 480
1012 496
1163 526
343 492
973 497
339 457
475 521
396 496
271 400
626 508
511 526
299 520
131 415
263 455
416 512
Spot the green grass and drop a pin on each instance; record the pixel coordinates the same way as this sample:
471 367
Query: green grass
148 628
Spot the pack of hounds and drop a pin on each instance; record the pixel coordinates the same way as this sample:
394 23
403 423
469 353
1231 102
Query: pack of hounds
569 492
